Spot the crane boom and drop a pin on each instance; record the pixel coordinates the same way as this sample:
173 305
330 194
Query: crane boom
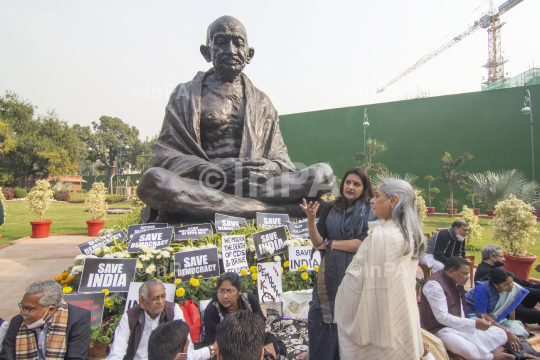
430 56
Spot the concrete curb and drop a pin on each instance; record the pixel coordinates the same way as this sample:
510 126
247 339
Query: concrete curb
30 237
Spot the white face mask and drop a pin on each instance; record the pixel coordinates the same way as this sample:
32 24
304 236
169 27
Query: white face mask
460 238
40 322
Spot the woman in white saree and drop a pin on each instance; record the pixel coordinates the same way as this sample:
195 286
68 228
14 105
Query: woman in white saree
376 310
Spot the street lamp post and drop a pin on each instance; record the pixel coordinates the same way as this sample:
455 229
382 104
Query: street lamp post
366 124
125 142
88 144
527 110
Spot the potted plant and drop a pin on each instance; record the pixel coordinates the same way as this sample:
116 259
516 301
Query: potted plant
102 336
474 193
95 203
449 204
40 198
513 228
431 193
452 178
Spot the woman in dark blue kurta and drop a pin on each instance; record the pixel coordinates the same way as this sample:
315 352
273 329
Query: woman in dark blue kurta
342 225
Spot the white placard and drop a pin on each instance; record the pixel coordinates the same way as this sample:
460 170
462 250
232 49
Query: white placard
133 294
300 255
233 249
269 281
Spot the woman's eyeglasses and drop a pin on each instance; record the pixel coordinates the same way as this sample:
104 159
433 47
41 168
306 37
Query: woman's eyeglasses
228 292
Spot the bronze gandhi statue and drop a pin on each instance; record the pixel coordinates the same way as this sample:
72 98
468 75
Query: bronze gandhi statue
220 148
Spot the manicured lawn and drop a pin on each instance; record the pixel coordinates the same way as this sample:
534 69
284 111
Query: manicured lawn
66 217
433 222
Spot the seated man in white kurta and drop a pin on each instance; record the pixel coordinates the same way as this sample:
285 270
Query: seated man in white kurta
443 312
136 325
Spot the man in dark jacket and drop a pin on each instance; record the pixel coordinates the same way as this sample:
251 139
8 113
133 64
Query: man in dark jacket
445 244
493 257
47 327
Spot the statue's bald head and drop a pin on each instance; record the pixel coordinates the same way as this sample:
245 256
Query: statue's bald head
227 24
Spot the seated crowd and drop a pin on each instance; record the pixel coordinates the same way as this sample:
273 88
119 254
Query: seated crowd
469 325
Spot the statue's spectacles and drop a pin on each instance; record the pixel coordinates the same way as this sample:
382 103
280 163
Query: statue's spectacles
21 308
228 292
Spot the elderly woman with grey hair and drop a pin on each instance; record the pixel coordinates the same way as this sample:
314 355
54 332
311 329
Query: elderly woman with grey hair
136 325
376 309
47 327
492 258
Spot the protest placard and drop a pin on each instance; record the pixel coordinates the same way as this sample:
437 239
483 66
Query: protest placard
132 298
138 228
274 238
268 221
193 232
269 281
298 230
233 250
89 246
226 224
188 264
93 302
114 275
301 255
157 238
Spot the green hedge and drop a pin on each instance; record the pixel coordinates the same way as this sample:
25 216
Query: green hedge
20 193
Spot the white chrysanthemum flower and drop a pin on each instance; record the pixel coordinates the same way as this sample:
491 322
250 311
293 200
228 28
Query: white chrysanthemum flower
165 254
106 249
277 258
120 255
268 250
92 256
150 269
139 264
150 256
96 251
252 247
76 270
107 256
203 246
158 257
211 246
169 248
80 257
220 256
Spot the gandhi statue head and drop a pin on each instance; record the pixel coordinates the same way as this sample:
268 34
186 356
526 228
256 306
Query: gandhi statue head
227 47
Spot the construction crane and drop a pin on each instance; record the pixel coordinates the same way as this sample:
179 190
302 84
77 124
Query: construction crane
492 23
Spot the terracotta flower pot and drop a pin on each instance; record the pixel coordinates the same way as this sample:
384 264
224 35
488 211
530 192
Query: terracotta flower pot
431 210
41 229
536 213
519 266
94 227
98 349
476 211
454 211
491 212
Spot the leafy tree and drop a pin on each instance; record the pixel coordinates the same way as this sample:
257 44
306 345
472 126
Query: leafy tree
374 148
44 143
7 144
431 191
453 178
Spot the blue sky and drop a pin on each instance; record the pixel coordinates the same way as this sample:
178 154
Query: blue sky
123 58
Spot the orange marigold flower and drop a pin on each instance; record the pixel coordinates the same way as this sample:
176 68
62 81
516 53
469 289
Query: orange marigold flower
58 278
66 274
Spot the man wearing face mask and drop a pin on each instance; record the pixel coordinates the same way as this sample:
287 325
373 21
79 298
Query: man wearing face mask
445 244
493 257
47 327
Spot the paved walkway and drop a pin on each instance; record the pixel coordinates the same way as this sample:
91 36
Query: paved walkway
31 260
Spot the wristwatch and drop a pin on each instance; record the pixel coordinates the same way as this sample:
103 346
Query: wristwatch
212 351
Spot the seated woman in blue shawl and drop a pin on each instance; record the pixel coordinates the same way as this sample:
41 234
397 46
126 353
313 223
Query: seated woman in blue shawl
342 226
495 300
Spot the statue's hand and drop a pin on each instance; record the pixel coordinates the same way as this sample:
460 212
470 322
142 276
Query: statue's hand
259 165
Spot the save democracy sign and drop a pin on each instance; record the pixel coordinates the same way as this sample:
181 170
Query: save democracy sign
226 224
89 246
135 229
156 238
188 264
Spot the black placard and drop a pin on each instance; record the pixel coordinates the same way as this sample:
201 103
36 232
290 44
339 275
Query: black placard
274 238
114 275
188 264
135 229
89 246
156 238
268 221
93 302
226 224
193 232
298 230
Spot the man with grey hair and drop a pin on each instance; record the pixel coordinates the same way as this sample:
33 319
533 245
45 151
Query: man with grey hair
493 257
47 327
136 325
